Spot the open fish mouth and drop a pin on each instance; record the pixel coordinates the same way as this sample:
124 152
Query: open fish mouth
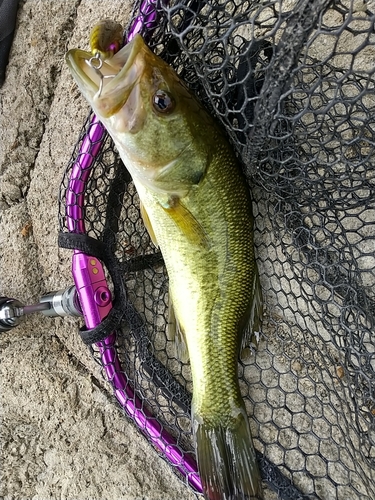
107 84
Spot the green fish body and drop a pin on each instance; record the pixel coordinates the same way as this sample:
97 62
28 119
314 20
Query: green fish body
196 205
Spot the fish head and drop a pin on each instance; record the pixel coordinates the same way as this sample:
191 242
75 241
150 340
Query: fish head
157 125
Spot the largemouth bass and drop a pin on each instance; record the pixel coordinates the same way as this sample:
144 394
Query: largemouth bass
196 205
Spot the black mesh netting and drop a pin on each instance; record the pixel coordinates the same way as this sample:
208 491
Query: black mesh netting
293 84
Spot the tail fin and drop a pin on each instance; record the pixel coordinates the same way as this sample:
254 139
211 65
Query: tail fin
226 460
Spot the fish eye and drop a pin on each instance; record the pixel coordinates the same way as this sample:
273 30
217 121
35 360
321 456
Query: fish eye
162 101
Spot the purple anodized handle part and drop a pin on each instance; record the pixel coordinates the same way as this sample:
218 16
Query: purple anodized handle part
93 291
146 20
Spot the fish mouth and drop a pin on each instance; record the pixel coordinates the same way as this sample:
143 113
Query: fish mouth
107 84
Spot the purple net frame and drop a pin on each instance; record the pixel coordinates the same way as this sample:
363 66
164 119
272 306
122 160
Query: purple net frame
82 265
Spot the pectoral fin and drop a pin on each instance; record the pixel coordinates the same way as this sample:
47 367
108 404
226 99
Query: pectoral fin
186 222
174 332
148 226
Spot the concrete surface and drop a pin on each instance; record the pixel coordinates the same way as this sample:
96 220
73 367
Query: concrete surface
62 436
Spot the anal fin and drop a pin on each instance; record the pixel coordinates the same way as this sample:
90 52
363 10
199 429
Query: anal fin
175 332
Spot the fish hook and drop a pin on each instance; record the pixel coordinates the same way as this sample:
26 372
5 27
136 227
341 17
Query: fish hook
96 63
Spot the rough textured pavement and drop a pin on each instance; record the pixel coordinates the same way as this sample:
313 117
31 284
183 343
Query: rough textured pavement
62 436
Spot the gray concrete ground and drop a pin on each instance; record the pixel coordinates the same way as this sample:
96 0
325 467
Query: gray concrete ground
62 436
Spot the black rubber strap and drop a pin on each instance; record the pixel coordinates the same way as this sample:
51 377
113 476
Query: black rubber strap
82 242
109 325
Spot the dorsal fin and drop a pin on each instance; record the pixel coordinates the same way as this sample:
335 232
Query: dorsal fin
252 327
